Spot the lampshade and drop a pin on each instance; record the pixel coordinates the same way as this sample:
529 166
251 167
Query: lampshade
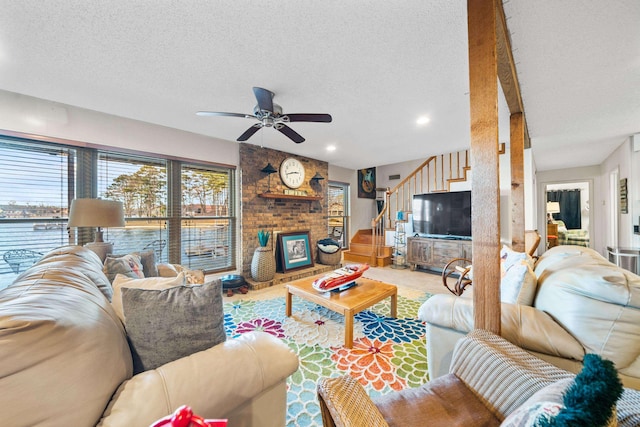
96 213
269 169
317 176
553 207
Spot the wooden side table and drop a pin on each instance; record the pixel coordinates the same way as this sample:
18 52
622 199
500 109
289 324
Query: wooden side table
552 235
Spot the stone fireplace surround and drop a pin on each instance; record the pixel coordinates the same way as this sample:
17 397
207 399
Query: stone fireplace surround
279 215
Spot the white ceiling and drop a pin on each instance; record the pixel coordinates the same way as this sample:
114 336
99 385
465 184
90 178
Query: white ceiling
375 66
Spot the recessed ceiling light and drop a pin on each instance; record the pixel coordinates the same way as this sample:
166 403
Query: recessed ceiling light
423 120
331 148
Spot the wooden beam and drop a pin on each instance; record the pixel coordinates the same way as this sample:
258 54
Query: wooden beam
517 182
507 70
485 183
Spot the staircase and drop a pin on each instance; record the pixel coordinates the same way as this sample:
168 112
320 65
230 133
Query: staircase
436 174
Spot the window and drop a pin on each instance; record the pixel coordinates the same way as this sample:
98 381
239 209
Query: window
339 213
184 211
37 186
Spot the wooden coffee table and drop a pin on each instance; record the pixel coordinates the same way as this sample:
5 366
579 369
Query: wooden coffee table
348 303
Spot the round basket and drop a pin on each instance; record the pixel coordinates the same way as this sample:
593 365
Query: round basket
329 259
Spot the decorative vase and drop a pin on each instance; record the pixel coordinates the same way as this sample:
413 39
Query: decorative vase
263 264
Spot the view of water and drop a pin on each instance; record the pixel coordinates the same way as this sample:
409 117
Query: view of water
203 247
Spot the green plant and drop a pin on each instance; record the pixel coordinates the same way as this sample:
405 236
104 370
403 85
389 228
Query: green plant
263 237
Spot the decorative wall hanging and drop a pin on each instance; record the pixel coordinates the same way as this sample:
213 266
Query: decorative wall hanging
367 183
624 207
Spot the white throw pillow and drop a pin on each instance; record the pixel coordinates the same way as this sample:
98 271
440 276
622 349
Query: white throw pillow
156 283
518 285
510 257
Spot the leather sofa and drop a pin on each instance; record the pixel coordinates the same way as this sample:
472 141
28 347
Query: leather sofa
65 359
583 304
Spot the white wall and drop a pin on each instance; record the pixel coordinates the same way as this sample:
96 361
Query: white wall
361 210
34 116
623 159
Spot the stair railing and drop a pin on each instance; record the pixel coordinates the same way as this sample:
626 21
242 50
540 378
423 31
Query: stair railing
434 175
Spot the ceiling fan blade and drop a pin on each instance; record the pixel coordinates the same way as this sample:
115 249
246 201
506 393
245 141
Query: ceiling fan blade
218 113
290 133
264 97
249 132
323 118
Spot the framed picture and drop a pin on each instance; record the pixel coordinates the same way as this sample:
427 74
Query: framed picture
624 207
367 183
293 251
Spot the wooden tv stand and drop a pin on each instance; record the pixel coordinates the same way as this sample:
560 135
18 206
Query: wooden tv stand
434 253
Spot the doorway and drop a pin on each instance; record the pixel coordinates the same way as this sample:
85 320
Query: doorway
568 214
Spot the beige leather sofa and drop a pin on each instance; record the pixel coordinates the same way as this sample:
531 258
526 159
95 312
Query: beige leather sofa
583 304
65 361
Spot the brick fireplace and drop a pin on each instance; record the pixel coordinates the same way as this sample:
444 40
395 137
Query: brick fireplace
289 213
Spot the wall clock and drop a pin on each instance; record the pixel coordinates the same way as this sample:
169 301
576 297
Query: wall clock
292 172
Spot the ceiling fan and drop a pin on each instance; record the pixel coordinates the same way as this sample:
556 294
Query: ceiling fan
269 115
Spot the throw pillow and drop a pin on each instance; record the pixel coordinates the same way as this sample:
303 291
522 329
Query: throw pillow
518 285
192 277
166 325
122 281
166 270
148 261
588 399
129 265
510 257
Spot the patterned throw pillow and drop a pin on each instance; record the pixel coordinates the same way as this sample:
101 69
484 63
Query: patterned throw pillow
129 265
148 261
166 325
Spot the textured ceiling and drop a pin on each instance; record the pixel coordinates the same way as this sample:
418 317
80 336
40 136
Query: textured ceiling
375 66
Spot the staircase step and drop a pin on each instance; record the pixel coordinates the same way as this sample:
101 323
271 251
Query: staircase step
381 261
360 248
349 256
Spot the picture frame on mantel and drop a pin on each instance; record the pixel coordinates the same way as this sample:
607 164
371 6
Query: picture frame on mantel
367 183
293 251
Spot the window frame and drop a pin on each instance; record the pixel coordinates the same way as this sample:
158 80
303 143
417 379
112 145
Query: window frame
84 183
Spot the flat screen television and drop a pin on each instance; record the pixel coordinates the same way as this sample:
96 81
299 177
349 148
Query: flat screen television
443 214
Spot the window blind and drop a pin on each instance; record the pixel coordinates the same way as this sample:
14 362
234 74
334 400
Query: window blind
37 184
338 213
183 211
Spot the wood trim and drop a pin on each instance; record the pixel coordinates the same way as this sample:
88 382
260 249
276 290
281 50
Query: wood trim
517 182
288 196
485 184
507 69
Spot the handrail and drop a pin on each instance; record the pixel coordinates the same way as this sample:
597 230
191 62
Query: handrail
433 171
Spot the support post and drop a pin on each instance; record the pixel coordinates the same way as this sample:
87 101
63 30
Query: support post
517 182
485 183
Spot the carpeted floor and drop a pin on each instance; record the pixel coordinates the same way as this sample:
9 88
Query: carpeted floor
388 353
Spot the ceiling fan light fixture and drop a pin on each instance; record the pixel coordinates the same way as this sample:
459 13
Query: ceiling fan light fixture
270 115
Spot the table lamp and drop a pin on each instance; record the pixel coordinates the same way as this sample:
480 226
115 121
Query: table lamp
552 207
97 213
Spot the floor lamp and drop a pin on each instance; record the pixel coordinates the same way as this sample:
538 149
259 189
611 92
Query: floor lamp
97 213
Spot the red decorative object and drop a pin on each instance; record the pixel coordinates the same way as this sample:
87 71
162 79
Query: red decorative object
184 417
340 277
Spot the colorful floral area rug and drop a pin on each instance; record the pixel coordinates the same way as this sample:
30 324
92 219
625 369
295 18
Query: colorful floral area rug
388 353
